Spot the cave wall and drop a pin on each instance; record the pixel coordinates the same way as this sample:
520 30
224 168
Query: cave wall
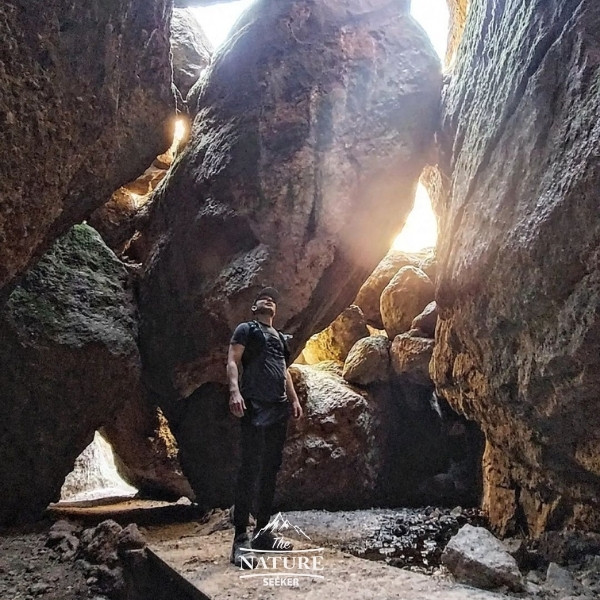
69 359
517 343
85 95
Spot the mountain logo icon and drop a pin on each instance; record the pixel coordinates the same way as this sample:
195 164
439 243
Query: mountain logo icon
279 524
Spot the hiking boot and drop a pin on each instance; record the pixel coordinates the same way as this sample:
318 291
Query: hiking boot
265 540
241 549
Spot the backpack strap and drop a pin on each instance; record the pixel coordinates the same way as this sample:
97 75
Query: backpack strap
254 346
256 341
286 351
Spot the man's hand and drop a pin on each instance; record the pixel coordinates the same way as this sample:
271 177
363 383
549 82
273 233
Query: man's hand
237 406
296 408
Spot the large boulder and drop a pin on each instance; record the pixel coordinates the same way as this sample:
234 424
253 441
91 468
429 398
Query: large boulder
335 341
69 359
410 358
405 296
519 271
190 48
334 455
368 361
85 93
369 295
308 138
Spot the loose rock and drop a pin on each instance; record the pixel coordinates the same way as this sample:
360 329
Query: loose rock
476 557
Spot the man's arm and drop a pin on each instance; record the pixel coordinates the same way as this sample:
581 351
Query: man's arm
292 396
234 359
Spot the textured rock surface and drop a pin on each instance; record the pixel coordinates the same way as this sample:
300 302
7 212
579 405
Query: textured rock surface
85 91
190 48
368 361
145 451
369 295
314 124
426 320
476 557
519 268
410 357
403 298
335 341
338 441
69 358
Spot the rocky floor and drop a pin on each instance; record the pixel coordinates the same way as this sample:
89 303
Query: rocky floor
29 570
409 538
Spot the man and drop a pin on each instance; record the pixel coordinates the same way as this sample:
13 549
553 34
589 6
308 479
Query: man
264 403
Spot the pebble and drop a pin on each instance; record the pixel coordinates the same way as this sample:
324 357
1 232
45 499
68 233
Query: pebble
39 588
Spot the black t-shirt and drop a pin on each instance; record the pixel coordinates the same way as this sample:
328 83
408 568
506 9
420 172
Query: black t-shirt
263 377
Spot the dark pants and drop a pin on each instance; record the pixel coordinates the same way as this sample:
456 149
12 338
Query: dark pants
262 449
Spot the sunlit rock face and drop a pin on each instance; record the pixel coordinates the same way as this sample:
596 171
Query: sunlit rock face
313 127
85 91
335 341
369 294
145 452
69 359
517 344
94 475
458 10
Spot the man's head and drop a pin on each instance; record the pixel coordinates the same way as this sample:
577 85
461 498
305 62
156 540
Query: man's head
266 302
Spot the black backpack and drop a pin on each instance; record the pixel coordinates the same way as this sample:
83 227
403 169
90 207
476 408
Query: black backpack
257 343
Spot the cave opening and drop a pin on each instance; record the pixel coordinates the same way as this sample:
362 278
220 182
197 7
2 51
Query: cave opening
95 477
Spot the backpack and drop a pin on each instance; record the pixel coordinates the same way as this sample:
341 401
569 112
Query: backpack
257 343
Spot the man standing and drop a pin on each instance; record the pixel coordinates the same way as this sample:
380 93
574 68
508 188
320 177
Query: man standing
263 403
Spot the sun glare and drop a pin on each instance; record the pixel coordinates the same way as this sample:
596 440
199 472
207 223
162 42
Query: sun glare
420 230
217 19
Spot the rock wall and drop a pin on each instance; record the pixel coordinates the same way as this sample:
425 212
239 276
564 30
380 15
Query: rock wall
85 94
518 289
190 49
313 128
69 358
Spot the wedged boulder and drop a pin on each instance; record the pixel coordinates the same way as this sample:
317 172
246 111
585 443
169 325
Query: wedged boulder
69 359
474 556
518 337
368 361
369 295
410 358
335 341
292 177
145 452
190 48
426 320
84 97
403 298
